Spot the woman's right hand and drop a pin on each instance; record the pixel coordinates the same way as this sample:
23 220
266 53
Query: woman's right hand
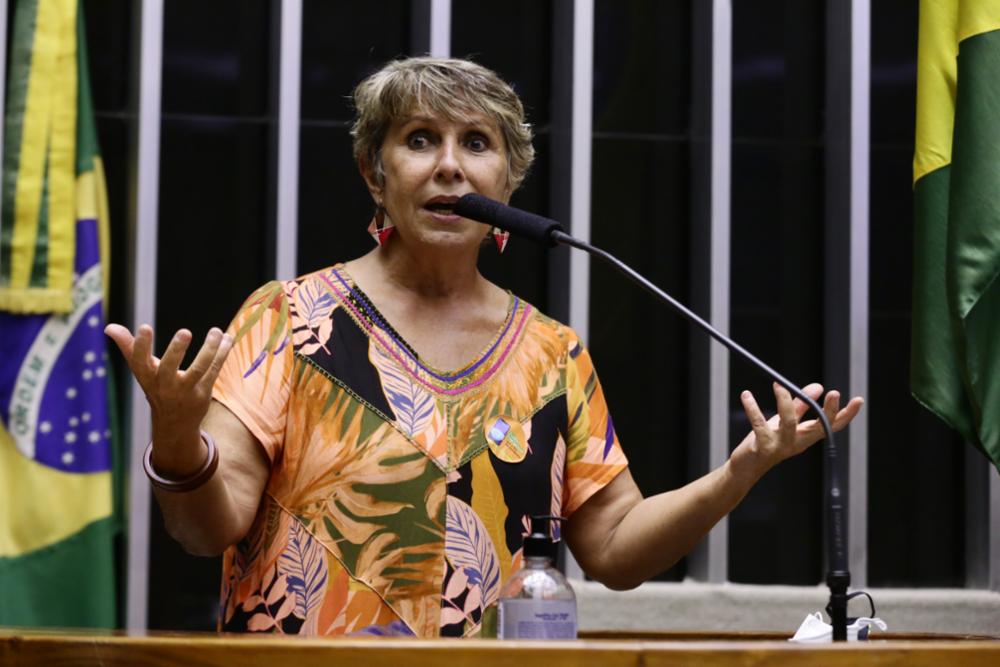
178 399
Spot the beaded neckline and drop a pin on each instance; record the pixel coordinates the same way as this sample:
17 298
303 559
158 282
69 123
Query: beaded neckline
365 305
477 372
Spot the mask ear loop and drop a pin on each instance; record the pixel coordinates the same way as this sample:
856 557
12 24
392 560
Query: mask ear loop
871 602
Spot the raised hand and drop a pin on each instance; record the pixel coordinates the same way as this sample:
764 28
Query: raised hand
775 439
178 399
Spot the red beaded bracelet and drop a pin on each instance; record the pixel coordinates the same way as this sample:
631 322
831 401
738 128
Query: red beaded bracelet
189 483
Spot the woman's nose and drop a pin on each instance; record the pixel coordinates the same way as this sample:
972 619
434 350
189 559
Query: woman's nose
449 165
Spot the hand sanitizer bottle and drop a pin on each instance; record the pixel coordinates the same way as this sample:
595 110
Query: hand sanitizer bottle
537 602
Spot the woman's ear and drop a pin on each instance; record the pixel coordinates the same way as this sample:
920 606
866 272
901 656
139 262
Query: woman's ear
368 173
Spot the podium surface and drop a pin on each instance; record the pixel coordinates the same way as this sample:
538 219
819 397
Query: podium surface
31 648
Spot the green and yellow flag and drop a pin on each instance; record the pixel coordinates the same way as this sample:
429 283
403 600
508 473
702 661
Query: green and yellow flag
955 365
57 508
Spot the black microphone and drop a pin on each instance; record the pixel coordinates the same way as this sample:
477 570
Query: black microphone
549 232
519 223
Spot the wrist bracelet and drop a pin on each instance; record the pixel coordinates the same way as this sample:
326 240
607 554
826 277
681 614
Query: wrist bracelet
190 482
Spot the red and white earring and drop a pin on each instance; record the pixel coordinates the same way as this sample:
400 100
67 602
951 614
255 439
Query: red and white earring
501 237
381 226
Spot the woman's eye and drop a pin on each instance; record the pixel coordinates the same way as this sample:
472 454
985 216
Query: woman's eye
418 140
478 143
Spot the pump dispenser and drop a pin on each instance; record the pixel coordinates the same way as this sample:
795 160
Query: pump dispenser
537 602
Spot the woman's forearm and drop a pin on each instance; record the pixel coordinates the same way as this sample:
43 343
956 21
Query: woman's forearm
624 539
204 520
217 514
660 530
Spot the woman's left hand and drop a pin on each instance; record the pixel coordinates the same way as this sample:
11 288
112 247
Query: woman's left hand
775 439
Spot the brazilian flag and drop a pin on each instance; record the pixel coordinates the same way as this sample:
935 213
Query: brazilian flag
57 506
955 365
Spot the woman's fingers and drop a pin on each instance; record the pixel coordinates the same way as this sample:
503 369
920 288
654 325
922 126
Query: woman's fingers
788 420
203 361
142 362
831 404
813 391
225 346
812 430
783 434
127 343
750 407
844 417
122 337
809 431
180 396
142 350
170 363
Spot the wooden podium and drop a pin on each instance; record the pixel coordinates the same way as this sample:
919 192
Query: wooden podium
37 648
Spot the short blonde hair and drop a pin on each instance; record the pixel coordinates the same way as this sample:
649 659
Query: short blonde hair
450 87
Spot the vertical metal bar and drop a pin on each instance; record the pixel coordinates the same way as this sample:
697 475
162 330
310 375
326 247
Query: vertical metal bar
441 28
858 379
145 195
290 78
711 142
717 542
581 136
845 233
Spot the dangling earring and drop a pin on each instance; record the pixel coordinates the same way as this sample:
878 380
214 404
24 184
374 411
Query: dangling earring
381 226
501 237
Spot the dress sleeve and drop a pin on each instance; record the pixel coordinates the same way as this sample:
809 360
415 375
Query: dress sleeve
593 455
255 380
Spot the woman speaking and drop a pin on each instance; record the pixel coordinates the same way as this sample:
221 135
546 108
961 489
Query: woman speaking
366 442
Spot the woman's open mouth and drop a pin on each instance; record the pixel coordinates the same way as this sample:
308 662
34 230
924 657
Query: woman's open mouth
442 208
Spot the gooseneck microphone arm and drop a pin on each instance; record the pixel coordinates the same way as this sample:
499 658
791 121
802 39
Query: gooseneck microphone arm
838 578
548 232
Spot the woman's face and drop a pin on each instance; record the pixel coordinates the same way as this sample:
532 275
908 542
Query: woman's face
428 163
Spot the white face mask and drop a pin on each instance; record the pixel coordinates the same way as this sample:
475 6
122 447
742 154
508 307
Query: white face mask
815 630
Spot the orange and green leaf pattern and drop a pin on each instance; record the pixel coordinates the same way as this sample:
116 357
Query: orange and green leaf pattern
399 493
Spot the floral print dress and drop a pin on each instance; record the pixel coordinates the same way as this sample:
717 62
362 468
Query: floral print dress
399 494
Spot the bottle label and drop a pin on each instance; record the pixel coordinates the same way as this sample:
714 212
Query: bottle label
537 619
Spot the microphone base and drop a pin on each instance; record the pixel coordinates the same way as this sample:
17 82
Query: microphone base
838 581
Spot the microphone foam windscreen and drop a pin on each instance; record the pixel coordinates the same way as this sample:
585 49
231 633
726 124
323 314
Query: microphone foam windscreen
519 223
